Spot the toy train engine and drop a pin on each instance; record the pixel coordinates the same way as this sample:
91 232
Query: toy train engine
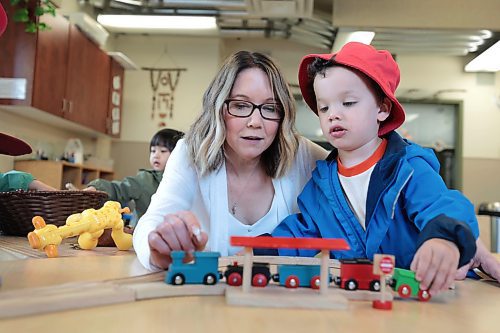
203 269
260 274
357 274
404 283
294 276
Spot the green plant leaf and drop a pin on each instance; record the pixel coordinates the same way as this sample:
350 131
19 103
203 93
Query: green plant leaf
30 27
43 27
39 11
21 15
51 10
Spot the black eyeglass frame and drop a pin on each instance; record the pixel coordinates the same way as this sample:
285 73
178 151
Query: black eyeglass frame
255 106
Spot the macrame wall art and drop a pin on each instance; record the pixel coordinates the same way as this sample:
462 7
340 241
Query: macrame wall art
163 82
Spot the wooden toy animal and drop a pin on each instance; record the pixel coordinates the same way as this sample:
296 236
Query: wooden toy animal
88 225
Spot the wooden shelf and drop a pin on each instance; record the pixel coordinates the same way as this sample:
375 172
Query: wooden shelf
57 174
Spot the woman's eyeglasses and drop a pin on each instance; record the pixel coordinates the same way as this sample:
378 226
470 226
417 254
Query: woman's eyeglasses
243 109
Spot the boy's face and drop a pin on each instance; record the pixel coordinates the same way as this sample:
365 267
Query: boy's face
158 157
348 110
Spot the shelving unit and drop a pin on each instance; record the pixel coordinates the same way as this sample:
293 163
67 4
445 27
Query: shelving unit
57 174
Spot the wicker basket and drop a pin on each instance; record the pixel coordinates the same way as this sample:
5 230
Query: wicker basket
18 208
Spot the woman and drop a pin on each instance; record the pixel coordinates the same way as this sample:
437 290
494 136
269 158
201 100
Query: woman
237 172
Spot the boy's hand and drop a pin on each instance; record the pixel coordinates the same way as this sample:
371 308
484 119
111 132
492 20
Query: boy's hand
483 258
178 232
435 265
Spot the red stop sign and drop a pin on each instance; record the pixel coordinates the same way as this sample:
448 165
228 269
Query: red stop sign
386 265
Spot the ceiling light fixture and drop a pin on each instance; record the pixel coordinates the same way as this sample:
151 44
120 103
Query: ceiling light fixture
157 22
488 61
345 36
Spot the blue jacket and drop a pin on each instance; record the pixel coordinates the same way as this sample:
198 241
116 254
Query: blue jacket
407 204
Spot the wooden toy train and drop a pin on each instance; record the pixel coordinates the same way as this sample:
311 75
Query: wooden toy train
355 274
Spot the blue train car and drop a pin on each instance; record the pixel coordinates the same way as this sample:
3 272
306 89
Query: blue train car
203 269
293 276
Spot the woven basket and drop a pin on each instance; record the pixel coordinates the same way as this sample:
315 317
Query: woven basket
18 208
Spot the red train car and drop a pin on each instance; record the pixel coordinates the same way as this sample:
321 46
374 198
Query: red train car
260 274
357 274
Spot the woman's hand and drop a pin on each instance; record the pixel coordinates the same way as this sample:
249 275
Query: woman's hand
483 258
180 231
435 265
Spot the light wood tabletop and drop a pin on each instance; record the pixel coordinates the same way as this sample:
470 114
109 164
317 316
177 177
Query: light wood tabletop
474 306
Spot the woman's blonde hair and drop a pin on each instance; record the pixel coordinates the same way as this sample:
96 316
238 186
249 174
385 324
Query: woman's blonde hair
205 139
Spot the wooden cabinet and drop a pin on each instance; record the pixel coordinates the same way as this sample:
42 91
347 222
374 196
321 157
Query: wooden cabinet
66 74
57 174
87 86
49 83
17 55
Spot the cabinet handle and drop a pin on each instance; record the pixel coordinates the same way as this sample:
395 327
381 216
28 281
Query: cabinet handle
70 110
64 103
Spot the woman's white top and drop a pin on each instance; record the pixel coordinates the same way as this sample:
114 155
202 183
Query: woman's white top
182 188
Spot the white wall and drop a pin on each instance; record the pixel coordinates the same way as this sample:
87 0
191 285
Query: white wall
481 117
286 54
41 135
200 56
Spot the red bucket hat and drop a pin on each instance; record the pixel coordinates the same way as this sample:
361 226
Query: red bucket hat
3 20
13 146
377 65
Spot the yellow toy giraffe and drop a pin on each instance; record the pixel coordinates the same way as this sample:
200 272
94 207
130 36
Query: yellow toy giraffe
89 225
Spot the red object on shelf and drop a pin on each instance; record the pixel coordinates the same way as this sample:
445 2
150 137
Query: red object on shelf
291 243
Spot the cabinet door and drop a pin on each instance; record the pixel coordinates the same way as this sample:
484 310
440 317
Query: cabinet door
17 55
49 86
87 87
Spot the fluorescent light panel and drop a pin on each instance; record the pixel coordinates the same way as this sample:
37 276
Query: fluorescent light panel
488 61
157 22
345 36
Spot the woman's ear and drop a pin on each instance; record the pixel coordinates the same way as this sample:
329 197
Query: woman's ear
384 110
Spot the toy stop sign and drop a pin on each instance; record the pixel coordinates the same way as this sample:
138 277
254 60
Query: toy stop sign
383 264
386 265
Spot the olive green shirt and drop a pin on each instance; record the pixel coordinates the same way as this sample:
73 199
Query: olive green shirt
139 188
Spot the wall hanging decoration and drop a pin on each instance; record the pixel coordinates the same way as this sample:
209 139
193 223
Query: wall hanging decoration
163 82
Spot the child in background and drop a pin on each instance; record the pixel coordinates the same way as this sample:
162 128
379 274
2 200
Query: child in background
142 186
17 180
381 193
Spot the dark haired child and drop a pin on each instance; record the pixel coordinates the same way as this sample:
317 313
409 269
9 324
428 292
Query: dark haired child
142 186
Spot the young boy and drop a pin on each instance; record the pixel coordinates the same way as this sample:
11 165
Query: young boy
142 186
381 193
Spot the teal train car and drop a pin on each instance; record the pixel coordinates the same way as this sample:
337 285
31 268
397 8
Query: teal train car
202 270
294 276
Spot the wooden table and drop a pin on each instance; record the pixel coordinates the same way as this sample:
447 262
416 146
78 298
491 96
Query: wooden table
474 306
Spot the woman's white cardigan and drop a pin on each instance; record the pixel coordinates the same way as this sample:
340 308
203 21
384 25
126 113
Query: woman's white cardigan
182 188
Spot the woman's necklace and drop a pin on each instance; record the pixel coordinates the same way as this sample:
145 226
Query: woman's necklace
240 192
